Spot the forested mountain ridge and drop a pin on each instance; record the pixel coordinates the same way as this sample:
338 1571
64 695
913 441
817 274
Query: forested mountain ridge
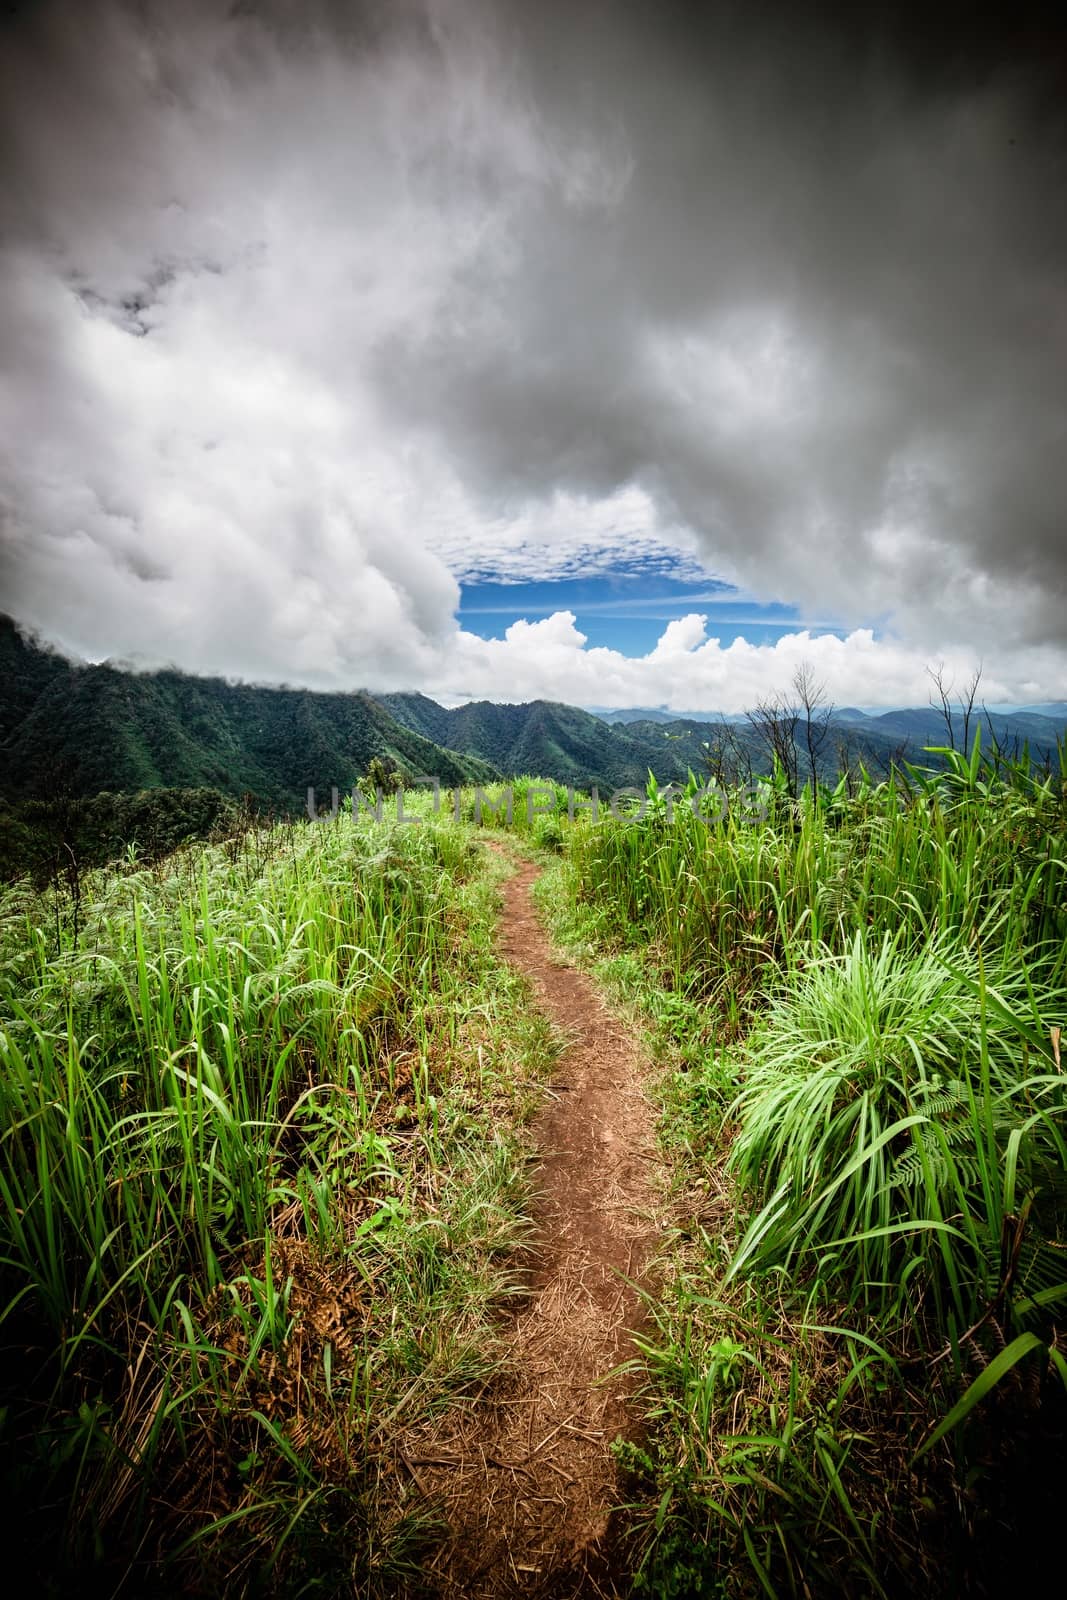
27 670
89 729
549 739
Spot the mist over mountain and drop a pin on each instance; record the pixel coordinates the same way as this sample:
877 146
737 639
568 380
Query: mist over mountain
88 729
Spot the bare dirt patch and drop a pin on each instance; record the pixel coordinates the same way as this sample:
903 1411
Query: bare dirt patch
525 1473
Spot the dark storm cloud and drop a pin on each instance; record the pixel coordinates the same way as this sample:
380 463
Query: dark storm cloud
300 299
868 218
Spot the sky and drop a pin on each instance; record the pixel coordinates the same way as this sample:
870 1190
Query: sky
621 352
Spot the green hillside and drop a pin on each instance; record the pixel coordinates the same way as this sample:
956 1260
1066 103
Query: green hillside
576 747
26 672
268 1147
419 713
93 728
558 741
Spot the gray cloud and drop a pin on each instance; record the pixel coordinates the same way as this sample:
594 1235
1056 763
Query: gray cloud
825 321
307 308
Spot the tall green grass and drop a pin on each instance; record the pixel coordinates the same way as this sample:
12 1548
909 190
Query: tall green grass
862 991
724 903
255 1207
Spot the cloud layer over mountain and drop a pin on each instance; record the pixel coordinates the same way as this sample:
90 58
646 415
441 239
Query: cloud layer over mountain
308 312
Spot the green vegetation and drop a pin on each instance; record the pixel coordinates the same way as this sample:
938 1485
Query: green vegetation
262 1178
263 1168
853 1378
798 734
60 838
77 730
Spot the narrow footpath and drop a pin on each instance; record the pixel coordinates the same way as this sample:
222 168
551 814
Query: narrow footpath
526 1476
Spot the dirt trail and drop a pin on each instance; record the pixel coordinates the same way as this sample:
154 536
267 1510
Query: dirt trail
527 1475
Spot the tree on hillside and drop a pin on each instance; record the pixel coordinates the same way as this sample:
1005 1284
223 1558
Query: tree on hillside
965 700
382 774
727 757
818 714
773 721
793 727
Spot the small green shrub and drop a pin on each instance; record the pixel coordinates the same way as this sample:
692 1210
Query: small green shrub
547 834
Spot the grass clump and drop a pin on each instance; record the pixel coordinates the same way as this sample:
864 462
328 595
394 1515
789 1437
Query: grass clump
895 1106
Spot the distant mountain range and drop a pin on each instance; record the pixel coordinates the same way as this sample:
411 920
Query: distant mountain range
925 725
86 729
654 714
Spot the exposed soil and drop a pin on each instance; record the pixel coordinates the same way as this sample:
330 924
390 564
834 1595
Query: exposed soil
526 1474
